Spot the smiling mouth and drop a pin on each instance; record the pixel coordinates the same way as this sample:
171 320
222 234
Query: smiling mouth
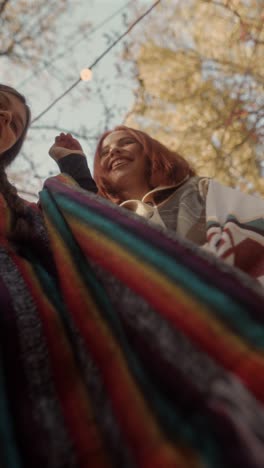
119 162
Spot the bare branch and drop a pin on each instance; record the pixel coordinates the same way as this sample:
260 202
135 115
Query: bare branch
64 130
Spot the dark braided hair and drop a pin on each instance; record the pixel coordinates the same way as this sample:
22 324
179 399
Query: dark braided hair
15 203
27 234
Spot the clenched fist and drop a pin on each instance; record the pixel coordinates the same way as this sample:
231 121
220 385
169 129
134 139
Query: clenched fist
65 144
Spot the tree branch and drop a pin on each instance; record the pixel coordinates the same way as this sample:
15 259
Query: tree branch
64 130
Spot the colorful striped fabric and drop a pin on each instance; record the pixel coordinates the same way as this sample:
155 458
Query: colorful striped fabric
124 347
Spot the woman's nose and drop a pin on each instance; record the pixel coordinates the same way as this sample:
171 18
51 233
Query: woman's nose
114 150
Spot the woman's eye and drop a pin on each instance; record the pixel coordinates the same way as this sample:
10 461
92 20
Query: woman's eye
127 142
104 152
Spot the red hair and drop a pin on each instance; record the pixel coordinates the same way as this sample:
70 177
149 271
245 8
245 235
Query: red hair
165 167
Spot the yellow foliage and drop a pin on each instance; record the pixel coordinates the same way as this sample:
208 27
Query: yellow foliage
200 91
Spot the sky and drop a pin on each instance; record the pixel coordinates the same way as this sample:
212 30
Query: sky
83 109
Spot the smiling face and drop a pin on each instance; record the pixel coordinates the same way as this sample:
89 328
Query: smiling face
13 118
124 164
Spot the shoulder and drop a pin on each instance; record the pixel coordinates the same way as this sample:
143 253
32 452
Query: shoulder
196 184
203 185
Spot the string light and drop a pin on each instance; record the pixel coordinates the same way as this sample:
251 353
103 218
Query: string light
86 74
46 65
97 61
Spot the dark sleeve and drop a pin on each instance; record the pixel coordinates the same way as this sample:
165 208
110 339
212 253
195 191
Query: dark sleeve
76 166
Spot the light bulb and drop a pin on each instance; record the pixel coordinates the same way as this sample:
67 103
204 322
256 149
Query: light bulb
86 74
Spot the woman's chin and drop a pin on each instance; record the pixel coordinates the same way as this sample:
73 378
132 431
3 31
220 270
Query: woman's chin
119 173
3 147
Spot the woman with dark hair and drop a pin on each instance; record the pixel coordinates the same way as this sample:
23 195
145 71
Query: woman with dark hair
14 122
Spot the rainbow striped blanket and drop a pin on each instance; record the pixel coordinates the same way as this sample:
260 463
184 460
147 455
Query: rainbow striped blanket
124 347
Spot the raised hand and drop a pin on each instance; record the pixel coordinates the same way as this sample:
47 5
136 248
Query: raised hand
64 144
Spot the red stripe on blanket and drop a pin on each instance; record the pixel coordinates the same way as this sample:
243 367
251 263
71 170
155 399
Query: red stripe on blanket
141 431
71 392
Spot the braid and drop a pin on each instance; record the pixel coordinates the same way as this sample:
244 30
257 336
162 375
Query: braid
28 234
20 214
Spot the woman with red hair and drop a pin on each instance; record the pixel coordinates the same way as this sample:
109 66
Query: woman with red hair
139 173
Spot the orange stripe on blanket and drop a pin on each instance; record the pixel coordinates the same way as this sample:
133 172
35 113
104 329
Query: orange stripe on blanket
71 392
140 429
185 313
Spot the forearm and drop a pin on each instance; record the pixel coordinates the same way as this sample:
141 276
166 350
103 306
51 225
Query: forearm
76 166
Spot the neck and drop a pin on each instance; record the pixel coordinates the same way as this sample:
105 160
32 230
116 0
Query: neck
134 193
